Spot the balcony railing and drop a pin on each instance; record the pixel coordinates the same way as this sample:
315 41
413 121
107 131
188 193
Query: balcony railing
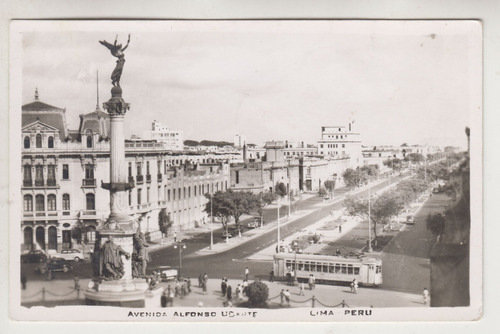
160 177
140 179
52 213
66 213
131 179
28 214
40 214
39 183
88 183
88 212
148 178
161 203
51 183
28 183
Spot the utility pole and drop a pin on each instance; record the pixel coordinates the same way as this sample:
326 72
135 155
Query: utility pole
211 221
279 237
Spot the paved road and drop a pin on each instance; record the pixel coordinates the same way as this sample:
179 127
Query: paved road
407 257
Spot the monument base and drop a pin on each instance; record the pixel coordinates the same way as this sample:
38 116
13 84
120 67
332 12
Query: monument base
121 293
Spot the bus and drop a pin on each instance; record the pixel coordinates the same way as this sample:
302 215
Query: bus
329 269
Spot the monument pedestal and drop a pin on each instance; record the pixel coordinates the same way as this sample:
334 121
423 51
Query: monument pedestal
121 293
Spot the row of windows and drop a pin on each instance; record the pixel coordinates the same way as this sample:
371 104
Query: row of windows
38 142
139 166
179 193
332 268
332 146
51 202
51 172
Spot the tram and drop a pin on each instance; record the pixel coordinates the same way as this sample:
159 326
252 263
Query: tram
329 269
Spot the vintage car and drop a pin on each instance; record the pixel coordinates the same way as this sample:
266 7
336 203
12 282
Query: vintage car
34 256
167 273
54 264
255 222
71 255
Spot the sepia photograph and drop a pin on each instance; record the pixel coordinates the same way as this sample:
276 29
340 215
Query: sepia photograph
246 170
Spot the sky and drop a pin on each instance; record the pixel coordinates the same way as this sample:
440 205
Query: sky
415 82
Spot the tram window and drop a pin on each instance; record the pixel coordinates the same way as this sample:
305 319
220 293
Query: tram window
356 270
332 268
349 269
344 269
325 267
300 265
337 268
379 269
306 266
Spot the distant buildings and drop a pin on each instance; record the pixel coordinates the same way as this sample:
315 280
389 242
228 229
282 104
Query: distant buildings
239 141
173 139
341 142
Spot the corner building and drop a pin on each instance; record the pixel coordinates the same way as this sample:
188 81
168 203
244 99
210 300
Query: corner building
63 170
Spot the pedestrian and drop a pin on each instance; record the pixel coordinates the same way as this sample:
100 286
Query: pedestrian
170 298
23 282
313 281
49 274
237 293
340 228
163 298
310 282
301 292
245 288
426 295
223 287
188 283
246 273
282 296
175 236
355 283
183 290
352 287
77 282
229 291
200 280
287 297
337 252
271 276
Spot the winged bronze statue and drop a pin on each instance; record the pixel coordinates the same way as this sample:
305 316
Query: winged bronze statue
117 51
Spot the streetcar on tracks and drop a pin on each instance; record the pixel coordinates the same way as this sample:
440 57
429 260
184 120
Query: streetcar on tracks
329 269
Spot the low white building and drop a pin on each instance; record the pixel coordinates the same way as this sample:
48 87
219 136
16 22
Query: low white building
341 142
173 139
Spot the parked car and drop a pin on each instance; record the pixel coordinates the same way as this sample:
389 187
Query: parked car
54 264
71 255
34 256
410 220
167 273
255 222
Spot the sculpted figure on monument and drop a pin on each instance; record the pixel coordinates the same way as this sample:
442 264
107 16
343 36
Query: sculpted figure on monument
111 263
140 256
117 51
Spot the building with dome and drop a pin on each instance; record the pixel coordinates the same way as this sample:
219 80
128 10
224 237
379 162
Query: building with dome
63 170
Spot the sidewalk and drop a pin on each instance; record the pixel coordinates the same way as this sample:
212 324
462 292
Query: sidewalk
62 292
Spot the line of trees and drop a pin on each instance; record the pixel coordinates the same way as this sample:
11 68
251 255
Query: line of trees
355 178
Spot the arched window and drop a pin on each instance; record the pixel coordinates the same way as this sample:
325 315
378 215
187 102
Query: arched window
51 142
89 139
28 203
40 202
90 199
26 142
66 202
51 202
38 141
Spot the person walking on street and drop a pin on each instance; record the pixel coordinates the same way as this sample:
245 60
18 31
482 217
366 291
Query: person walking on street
426 295
310 282
246 273
200 280
175 236
23 282
355 284
223 287
237 293
287 297
229 294
271 276
313 281
282 296
77 282
301 292
188 283
340 228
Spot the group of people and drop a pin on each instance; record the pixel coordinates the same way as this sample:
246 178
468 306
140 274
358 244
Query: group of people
203 281
181 288
285 296
354 286
227 290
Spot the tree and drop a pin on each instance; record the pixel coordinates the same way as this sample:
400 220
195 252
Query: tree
382 208
240 203
164 221
280 189
393 163
330 185
415 158
409 190
219 206
257 293
354 178
371 170
435 223
262 200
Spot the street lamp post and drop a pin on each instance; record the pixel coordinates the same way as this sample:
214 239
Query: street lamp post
295 248
369 221
211 221
279 237
180 246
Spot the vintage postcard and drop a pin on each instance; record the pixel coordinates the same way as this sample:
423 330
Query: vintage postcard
246 170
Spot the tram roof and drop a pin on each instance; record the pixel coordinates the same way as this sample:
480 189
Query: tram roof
329 258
